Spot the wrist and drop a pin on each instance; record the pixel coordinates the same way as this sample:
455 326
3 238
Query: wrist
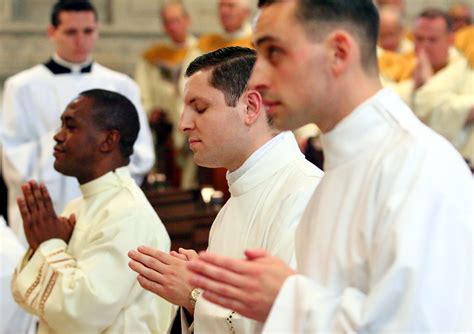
193 297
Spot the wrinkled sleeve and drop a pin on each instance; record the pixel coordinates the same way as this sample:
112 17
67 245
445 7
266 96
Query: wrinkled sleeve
281 239
411 287
142 76
27 151
69 293
442 103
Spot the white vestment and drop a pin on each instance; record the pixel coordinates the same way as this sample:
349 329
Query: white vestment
33 102
406 88
86 286
13 319
160 77
385 244
268 197
444 103
160 83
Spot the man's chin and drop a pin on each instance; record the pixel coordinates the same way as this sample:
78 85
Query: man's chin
206 164
282 124
61 169
289 121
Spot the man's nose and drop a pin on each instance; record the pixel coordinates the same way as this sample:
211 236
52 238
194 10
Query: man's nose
186 122
59 136
80 38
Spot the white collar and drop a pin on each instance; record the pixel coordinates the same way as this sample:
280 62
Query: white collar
254 157
74 67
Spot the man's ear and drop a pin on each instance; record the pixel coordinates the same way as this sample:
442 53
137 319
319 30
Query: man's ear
50 31
254 106
110 142
341 48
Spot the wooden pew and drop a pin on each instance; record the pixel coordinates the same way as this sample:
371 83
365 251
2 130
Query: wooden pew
186 217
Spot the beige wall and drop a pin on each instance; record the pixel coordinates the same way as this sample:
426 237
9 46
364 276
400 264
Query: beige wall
127 28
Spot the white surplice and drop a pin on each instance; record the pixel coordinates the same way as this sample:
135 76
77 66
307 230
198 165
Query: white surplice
268 195
33 102
86 286
13 319
444 103
385 244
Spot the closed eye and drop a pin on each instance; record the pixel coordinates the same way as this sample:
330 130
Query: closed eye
69 125
273 53
200 110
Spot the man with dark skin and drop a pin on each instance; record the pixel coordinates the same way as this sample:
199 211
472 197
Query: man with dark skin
69 275
39 218
34 99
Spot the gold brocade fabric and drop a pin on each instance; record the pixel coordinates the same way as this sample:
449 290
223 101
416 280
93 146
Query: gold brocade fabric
464 42
165 54
208 43
396 67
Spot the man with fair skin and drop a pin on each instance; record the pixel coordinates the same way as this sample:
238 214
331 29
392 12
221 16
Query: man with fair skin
389 228
34 99
158 73
394 49
392 32
269 180
75 276
395 46
234 18
460 15
441 88
160 67
399 4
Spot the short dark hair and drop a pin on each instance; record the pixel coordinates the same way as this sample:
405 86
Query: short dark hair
231 69
113 111
71 6
360 16
434 13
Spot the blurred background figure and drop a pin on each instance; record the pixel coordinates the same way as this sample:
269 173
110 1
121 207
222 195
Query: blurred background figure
443 83
392 31
399 4
394 48
464 42
395 44
460 15
440 86
234 16
158 73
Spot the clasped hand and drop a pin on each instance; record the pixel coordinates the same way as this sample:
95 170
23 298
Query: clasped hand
164 274
40 222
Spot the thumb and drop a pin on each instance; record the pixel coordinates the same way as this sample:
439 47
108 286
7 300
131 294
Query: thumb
178 256
253 254
72 219
189 253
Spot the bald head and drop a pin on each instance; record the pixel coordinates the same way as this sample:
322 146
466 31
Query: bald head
460 15
391 28
176 20
400 4
233 14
